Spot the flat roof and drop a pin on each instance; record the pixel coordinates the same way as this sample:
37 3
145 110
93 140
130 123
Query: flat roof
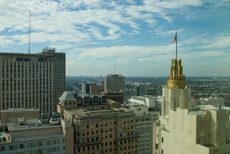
99 113
30 125
197 112
37 137
20 110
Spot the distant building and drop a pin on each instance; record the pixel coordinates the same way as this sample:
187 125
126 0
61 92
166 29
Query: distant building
128 93
140 90
86 87
21 132
182 129
211 101
96 89
116 96
114 83
100 128
32 80
147 100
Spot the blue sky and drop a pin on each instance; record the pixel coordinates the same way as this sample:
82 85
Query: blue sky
135 34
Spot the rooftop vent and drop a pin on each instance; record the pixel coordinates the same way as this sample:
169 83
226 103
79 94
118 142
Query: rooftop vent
21 121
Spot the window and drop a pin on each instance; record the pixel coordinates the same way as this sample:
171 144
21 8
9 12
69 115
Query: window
162 139
21 146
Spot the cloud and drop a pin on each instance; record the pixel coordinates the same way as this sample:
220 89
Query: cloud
161 31
221 42
154 53
85 19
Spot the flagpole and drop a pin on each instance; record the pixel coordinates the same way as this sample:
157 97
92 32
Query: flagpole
176 45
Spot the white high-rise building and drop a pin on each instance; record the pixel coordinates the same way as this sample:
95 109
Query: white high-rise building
182 129
32 80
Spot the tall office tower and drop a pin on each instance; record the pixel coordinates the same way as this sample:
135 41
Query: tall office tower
114 83
100 128
182 129
32 80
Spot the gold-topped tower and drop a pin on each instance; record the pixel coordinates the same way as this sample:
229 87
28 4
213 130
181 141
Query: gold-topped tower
176 78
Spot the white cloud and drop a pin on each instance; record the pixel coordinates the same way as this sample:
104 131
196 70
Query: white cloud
221 42
104 20
161 31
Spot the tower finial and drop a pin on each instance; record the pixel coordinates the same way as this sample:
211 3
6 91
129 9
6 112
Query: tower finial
176 79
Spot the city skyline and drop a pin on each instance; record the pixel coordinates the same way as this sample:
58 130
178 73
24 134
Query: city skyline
136 35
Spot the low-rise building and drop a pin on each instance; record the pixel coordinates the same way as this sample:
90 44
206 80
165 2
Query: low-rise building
147 100
22 132
212 101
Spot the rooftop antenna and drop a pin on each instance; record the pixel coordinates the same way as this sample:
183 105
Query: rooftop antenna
29 30
114 66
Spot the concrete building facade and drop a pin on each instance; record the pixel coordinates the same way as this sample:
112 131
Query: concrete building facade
144 128
114 82
32 80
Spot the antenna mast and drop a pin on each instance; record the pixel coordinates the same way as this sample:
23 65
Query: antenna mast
29 30
114 66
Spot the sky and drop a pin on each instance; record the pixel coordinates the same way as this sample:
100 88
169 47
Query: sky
128 37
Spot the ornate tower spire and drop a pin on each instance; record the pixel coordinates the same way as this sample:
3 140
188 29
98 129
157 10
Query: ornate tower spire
176 77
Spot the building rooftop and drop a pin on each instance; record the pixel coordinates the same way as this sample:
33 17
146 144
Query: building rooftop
114 75
197 112
30 124
20 110
67 95
38 137
81 113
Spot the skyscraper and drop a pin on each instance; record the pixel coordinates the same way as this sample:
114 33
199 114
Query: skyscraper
114 83
182 129
32 80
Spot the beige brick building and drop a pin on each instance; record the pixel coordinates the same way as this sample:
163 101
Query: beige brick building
100 129
32 80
